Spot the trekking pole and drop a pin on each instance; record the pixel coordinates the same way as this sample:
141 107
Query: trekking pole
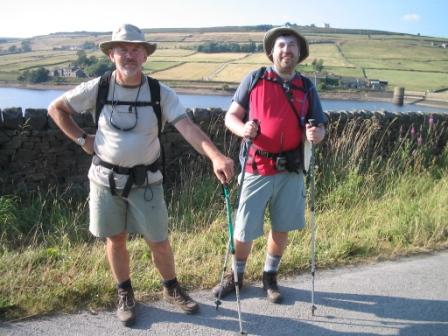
312 122
230 244
224 269
231 248
243 173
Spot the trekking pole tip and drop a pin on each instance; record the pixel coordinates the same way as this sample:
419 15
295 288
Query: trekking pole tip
313 308
218 303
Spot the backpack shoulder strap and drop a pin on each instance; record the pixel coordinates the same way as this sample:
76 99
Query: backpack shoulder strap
154 87
103 90
260 72
307 84
254 80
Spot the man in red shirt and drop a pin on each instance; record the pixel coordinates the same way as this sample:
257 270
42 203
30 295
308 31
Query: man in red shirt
274 114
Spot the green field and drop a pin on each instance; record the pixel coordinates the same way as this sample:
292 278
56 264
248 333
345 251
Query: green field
415 62
416 81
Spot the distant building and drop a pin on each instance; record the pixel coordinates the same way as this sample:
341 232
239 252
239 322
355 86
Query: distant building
443 45
353 83
77 73
378 85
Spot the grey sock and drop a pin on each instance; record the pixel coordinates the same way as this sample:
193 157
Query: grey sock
272 263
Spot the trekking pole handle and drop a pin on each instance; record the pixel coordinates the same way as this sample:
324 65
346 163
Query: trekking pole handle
249 139
258 125
312 122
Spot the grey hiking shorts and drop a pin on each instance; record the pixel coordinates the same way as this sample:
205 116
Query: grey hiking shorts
143 211
283 194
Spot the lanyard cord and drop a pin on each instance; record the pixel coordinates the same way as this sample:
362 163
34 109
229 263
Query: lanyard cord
114 103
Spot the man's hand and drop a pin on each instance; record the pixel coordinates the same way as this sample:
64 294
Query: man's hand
315 134
250 129
223 168
88 146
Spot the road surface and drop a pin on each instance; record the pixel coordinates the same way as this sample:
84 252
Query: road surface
407 297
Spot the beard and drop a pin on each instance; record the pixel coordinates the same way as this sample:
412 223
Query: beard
286 67
286 63
129 69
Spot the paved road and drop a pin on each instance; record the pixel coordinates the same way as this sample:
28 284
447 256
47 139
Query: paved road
408 297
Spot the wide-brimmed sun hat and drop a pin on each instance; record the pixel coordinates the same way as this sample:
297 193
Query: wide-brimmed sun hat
272 34
129 34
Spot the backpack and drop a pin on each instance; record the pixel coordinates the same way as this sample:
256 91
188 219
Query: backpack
260 75
103 91
154 87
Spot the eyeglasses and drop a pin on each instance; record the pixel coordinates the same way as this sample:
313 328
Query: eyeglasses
123 118
120 118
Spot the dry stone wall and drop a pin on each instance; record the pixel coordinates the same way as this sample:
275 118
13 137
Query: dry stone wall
35 154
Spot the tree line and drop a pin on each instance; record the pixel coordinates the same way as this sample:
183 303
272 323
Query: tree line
218 47
93 66
25 46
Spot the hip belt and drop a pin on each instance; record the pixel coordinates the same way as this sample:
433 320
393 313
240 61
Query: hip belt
136 175
291 161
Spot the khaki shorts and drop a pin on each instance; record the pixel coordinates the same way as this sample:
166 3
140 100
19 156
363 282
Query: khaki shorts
143 211
283 194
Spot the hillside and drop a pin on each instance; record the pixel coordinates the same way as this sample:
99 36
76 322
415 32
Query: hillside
418 63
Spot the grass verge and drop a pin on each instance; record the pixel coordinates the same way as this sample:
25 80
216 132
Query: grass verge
370 206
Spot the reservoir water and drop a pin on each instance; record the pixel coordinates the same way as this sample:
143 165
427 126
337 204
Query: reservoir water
33 98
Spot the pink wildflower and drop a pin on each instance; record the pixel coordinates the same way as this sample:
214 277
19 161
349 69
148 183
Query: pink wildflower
431 121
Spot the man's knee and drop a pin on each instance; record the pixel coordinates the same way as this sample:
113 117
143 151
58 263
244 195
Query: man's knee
279 236
160 248
117 241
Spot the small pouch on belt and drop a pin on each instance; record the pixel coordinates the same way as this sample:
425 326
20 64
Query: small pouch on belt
139 174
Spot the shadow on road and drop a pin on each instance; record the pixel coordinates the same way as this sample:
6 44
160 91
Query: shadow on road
409 316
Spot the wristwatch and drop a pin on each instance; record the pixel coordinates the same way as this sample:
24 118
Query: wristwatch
82 139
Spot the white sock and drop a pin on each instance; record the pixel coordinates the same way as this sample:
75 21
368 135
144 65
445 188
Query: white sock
240 266
272 263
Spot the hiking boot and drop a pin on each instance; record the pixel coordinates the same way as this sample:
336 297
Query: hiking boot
228 284
178 297
126 306
271 288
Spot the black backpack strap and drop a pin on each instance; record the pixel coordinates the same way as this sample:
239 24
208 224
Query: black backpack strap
255 78
243 145
129 103
101 98
154 87
308 87
103 90
260 72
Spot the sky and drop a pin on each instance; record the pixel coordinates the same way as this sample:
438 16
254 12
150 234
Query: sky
28 18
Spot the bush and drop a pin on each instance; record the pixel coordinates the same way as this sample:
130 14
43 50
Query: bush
35 76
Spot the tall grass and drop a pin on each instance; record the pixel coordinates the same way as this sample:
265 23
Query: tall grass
382 192
42 218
